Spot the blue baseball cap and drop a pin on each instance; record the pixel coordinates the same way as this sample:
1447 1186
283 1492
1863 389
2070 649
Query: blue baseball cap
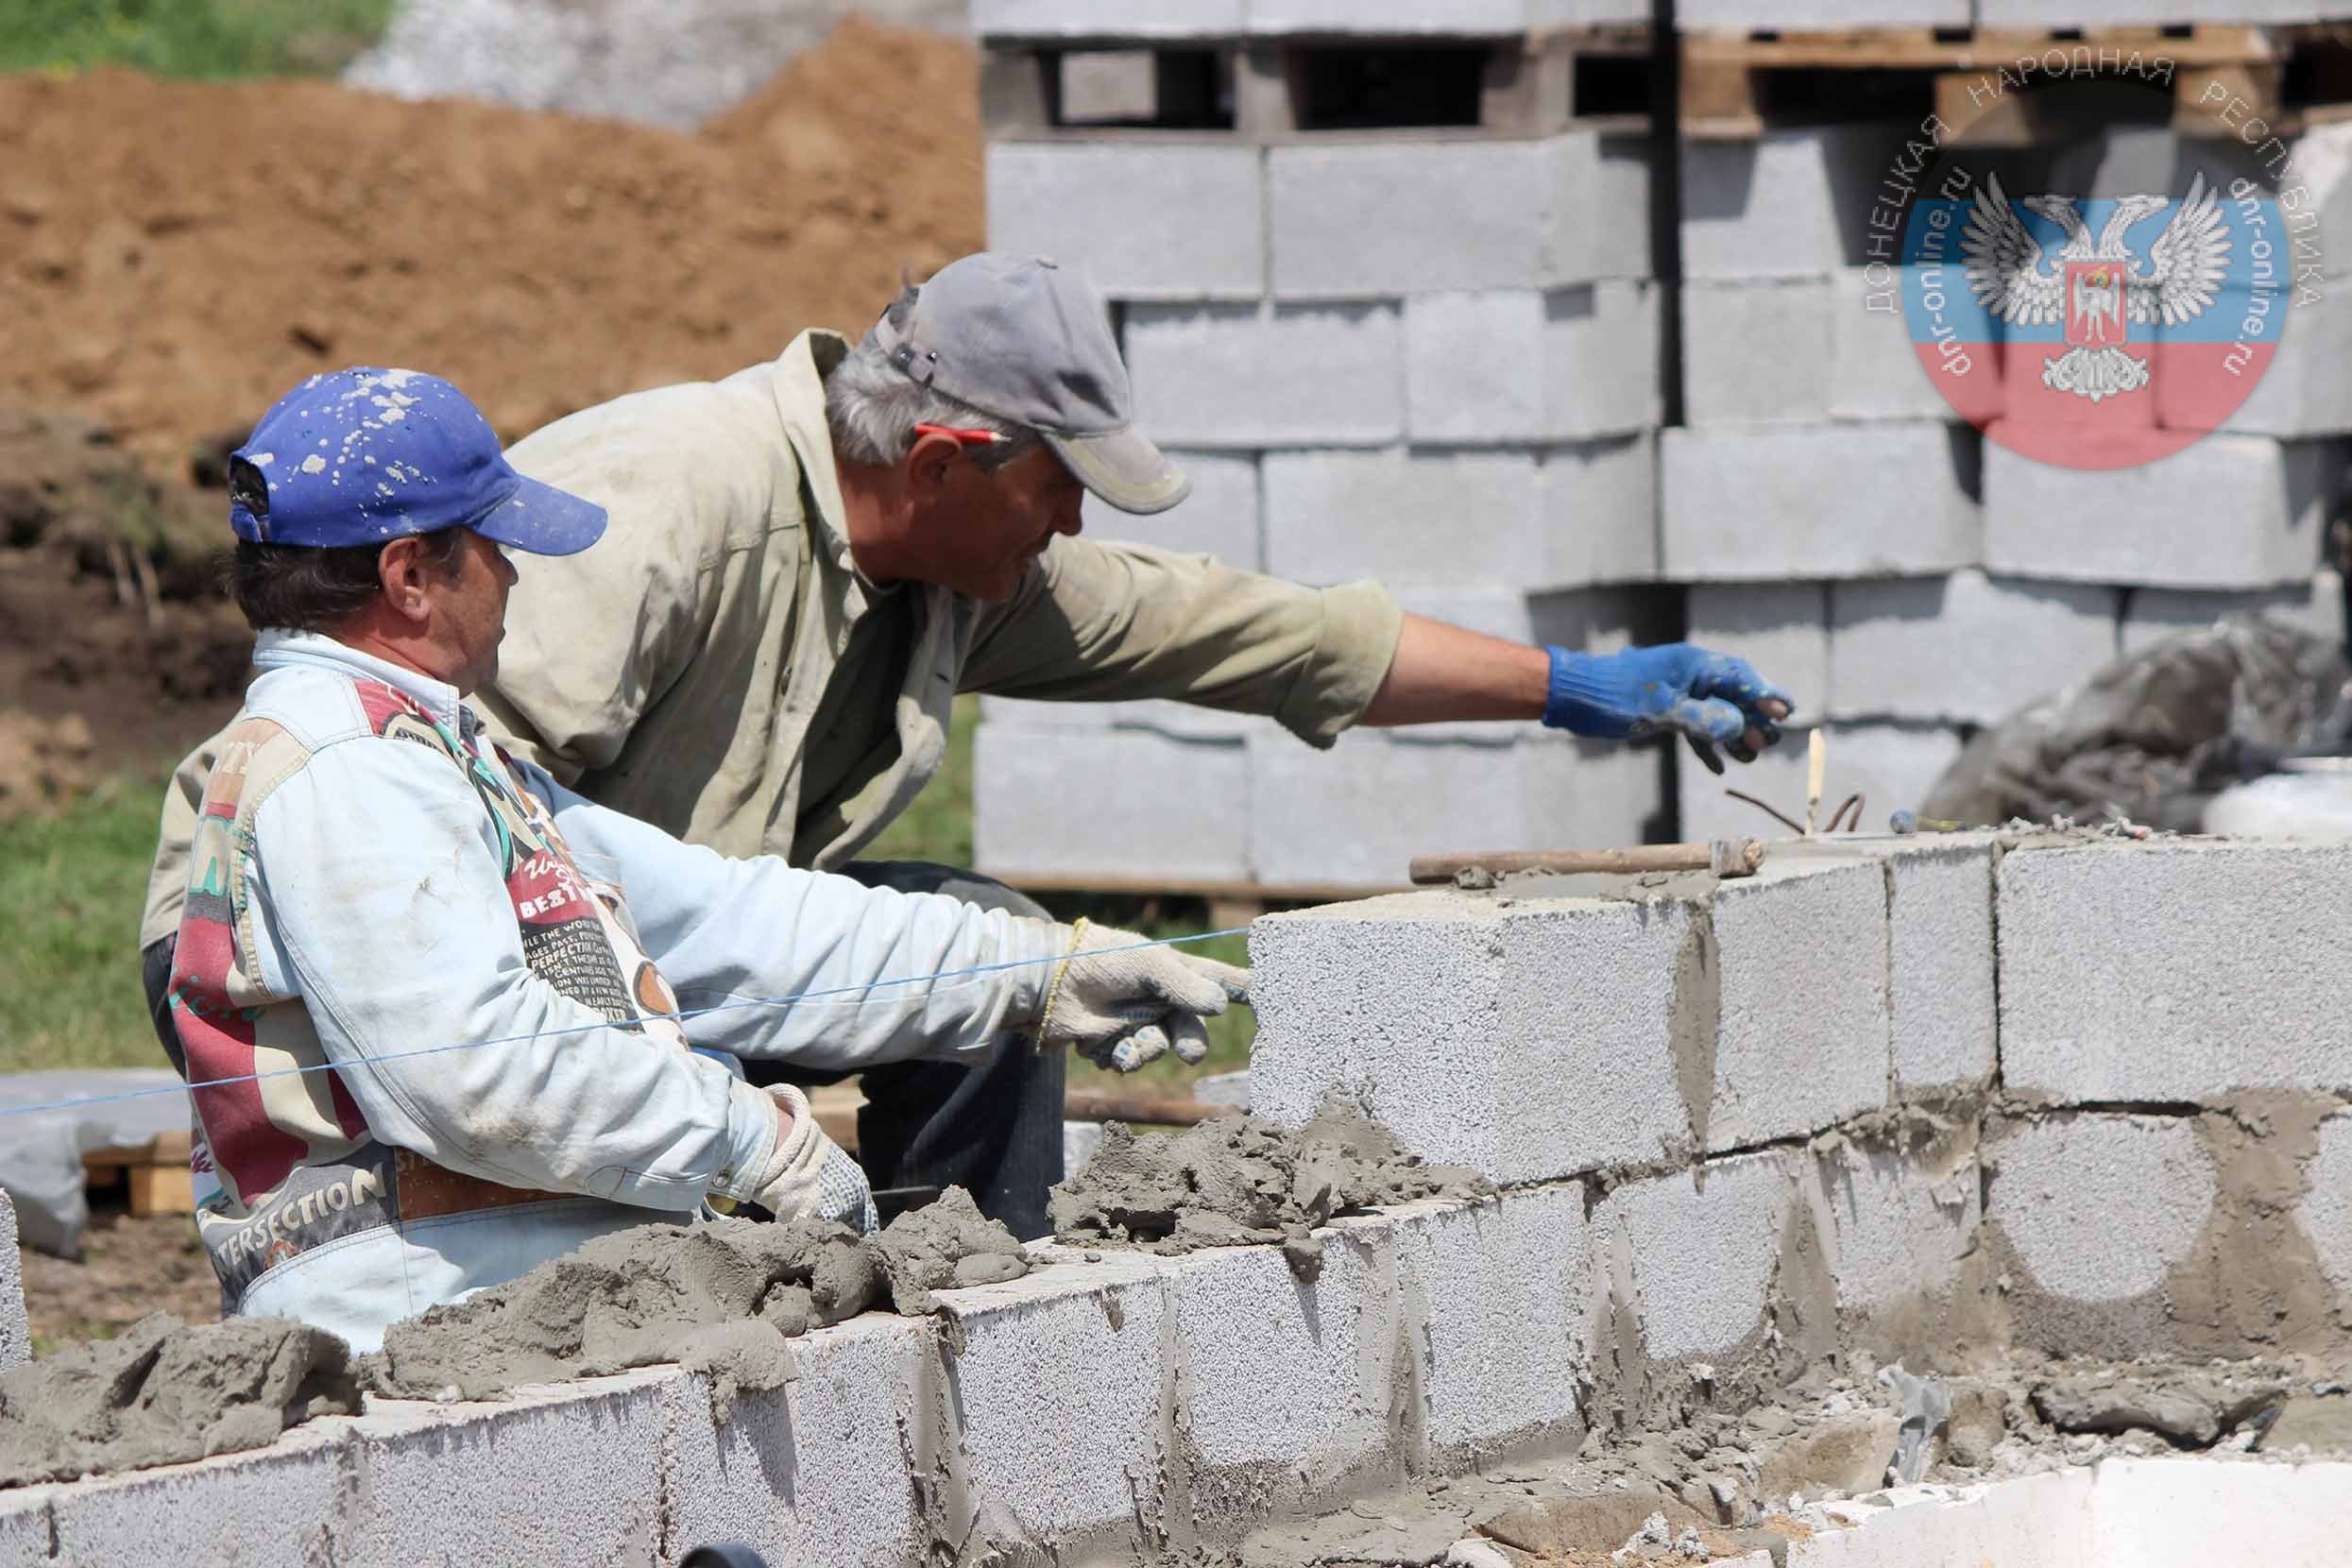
364 455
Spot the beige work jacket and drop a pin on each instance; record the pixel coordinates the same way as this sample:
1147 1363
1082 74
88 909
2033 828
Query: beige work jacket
672 671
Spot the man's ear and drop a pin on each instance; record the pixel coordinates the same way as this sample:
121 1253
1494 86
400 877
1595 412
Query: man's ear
928 464
400 569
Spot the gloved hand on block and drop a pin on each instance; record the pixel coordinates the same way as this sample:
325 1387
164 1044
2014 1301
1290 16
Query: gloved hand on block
1120 1002
809 1174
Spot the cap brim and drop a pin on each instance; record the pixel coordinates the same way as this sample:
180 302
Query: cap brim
543 521
1125 469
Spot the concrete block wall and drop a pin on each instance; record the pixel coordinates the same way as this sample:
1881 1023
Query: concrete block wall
2104 1114
1434 356
2141 1149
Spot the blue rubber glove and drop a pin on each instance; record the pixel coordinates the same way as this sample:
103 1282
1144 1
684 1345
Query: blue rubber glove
1714 699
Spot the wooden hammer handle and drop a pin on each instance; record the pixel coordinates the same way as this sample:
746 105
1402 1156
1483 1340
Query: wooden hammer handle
1638 859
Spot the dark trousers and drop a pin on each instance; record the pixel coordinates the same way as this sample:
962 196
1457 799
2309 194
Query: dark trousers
993 1127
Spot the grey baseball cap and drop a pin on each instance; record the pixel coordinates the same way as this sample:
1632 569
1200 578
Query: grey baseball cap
1029 342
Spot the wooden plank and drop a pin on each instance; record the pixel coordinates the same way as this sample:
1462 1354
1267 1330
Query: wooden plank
162 1190
1152 1110
171 1149
1919 49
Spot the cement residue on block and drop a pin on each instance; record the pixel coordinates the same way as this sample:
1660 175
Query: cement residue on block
1234 1180
947 1242
2099 1208
164 1394
2326 1215
1700 1246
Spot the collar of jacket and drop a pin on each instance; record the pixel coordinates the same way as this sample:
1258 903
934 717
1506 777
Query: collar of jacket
800 404
279 649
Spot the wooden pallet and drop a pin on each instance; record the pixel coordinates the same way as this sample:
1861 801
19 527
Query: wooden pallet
1737 85
1319 88
159 1177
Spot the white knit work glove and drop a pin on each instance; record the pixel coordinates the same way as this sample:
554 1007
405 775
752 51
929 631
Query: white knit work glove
1120 1002
809 1174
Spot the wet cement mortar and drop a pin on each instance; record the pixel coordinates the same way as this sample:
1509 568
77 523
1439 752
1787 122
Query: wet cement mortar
1235 1181
722 1298
164 1392
1721 1485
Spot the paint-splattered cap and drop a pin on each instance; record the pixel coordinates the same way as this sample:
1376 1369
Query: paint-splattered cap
364 455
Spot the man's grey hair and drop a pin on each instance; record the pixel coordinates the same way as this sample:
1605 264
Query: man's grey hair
872 407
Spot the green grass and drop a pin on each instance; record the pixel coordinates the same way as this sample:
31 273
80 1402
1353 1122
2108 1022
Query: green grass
213 40
71 885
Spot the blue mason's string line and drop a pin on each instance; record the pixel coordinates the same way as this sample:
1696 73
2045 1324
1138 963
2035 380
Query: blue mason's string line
856 990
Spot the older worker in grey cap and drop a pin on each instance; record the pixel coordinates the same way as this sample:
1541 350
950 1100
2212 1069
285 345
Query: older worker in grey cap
807 560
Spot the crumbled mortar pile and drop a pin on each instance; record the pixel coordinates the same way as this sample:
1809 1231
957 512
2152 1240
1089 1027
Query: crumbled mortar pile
165 1393
720 1298
1231 1181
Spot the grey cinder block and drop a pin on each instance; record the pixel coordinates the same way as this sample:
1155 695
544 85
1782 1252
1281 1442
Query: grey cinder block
1781 628
2089 1216
1162 806
1757 352
1600 359
1600 205
1835 501
1417 517
1507 1289
2183 970
16 1339
1107 18
1389 18
1824 920
1473 372
1407 217
1219 517
1244 376
1597 512
1355 816
1140 221
1457 1005
1875 369
448 1473
1058 1387
813 1472
2152 614
2228 511
1700 1247
1289 1375
1967 648
1787 204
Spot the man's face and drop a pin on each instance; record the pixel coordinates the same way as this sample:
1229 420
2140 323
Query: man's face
976 532
470 611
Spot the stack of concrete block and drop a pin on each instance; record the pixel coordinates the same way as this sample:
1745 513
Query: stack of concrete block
1908 579
1428 357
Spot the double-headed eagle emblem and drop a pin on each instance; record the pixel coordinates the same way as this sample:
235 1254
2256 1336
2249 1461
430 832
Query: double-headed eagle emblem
2090 283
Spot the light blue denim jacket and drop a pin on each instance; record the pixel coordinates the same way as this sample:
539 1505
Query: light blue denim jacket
379 903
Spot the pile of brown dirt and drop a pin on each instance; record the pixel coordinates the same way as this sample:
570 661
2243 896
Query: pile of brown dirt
115 647
180 253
